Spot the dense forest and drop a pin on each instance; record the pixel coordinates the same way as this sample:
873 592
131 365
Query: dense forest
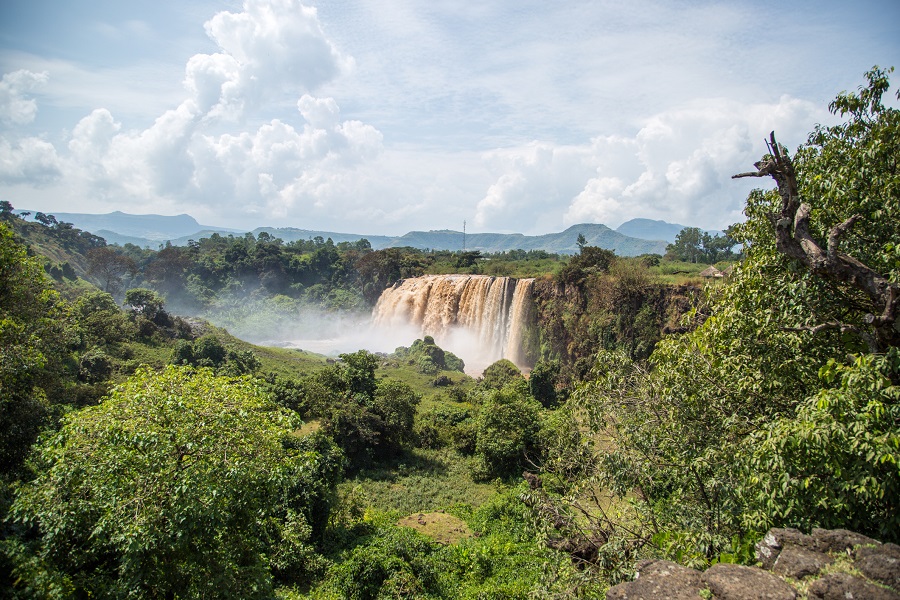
149 451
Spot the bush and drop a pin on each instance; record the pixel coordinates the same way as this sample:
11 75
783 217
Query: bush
444 425
428 357
507 428
94 366
393 563
499 374
100 319
542 383
180 483
380 425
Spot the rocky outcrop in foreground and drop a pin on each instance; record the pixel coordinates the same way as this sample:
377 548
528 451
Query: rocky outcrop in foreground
825 565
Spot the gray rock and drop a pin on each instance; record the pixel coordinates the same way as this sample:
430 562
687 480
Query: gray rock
843 586
886 549
659 579
797 562
768 549
839 540
736 582
881 567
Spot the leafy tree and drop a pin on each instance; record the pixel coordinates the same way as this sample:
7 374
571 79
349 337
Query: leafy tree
837 208
395 402
841 449
542 383
693 245
379 425
507 428
145 302
589 260
581 242
109 267
100 319
180 484
35 336
48 220
208 351
718 247
94 366
468 259
366 417
167 271
355 429
359 372
500 374
687 245
393 563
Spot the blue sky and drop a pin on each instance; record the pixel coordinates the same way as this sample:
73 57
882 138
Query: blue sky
382 117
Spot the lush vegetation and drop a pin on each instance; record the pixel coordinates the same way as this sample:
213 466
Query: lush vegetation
178 484
781 408
693 245
145 454
220 474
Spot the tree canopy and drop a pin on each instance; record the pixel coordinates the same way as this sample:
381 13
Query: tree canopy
34 341
179 484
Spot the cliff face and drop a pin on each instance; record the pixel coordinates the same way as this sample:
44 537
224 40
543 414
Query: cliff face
606 311
827 564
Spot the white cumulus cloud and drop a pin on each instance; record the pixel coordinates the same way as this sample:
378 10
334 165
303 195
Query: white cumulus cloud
200 152
15 107
676 167
29 160
279 169
271 48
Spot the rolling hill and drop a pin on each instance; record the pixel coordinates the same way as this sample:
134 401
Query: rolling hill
153 230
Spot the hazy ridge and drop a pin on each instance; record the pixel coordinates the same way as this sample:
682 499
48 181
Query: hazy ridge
635 237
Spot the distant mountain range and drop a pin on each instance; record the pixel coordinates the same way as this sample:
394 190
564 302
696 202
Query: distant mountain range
632 238
149 228
648 229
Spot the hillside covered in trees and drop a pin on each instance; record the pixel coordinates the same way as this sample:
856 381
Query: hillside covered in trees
147 452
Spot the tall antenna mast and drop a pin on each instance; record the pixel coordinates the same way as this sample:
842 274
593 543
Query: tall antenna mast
464 236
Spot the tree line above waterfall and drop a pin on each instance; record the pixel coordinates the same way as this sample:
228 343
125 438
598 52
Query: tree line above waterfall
252 284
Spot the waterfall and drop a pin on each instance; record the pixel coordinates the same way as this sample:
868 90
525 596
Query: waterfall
478 317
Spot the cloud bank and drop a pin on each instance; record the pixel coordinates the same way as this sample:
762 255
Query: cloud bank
255 139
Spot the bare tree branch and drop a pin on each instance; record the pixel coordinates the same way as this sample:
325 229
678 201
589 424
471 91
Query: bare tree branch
793 238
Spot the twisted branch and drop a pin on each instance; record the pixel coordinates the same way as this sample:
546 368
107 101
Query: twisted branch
793 238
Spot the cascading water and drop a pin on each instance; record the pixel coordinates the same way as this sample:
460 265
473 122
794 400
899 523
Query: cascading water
478 317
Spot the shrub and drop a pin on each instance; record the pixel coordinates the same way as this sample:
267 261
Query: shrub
507 428
180 483
499 374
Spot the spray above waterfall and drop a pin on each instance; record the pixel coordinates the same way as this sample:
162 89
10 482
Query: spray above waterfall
478 317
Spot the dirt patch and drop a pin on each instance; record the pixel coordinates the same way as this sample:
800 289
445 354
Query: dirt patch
309 427
439 526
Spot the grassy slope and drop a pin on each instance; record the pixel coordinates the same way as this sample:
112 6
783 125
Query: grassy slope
41 241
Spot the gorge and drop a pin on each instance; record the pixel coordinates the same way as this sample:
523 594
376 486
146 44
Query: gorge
478 317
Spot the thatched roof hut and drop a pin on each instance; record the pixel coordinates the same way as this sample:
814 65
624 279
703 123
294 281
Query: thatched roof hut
711 272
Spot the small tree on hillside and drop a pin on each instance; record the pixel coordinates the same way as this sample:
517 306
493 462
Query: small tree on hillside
109 267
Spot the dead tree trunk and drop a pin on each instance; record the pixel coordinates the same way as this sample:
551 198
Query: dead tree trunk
793 238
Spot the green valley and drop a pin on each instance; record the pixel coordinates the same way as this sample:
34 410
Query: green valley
166 432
